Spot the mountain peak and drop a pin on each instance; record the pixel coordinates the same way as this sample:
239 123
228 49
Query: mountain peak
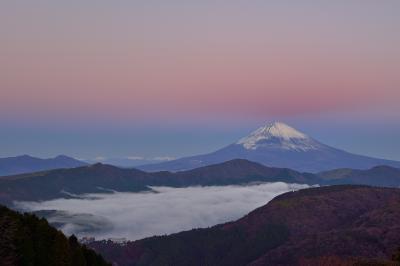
277 134
280 130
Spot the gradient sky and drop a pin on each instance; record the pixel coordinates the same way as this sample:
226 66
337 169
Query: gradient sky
156 78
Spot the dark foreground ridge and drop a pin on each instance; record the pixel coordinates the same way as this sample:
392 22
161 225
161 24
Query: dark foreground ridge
28 240
336 225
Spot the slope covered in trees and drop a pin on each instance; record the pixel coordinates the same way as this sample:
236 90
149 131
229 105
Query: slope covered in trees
28 240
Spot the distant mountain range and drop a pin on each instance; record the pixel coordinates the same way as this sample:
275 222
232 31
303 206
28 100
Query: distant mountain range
334 225
277 145
67 183
273 145
28 164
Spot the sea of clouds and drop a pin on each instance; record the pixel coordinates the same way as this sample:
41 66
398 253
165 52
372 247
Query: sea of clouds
165 210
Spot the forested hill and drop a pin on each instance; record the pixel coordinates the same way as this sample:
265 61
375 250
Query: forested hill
28 240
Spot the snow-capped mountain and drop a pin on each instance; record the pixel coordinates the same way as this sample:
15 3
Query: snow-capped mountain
278 136
278 145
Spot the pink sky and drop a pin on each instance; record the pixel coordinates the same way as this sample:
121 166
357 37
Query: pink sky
181 77
142 61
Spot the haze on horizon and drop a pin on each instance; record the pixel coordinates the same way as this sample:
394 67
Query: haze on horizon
155 78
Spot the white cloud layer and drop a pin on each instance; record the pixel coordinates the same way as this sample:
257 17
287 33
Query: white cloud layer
167 210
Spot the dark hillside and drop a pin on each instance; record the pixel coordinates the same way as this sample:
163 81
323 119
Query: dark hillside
28 240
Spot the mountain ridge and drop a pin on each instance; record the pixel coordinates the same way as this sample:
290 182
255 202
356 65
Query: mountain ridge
101 178
28 164
373 176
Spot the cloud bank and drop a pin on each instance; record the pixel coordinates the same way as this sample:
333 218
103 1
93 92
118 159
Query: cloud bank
166 210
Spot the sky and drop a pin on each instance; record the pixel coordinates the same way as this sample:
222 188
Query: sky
174 78
137 215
